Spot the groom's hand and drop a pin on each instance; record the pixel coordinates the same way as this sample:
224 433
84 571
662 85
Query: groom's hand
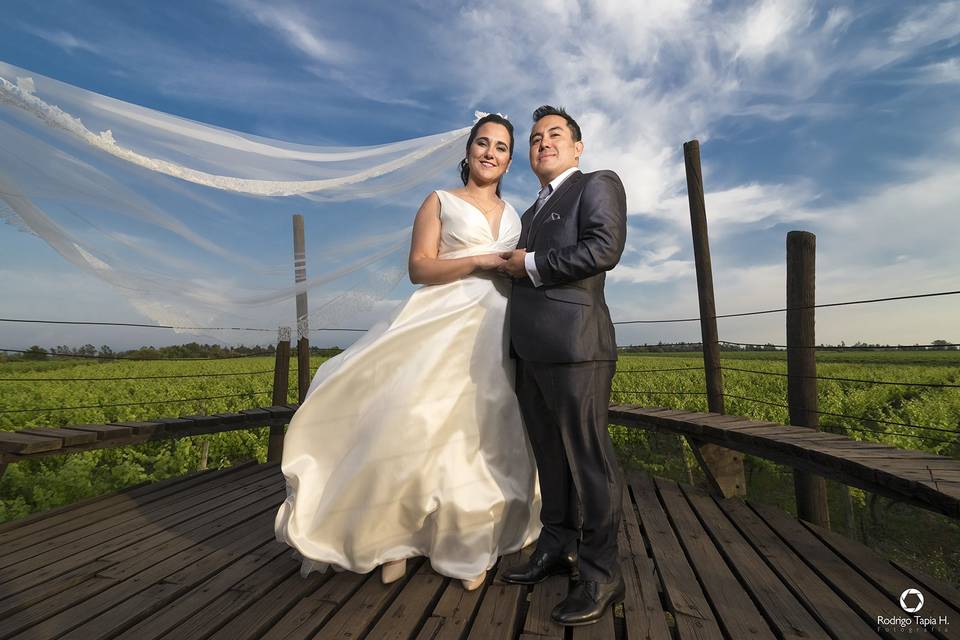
514 265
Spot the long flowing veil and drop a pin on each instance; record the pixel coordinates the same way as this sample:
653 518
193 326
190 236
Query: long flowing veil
192 221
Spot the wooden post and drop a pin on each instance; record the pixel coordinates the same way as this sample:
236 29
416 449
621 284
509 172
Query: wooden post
722 467
281 382
303 328
811 490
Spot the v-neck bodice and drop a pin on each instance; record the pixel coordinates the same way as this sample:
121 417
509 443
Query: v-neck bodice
465 230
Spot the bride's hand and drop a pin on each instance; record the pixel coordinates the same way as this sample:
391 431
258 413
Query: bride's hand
488 261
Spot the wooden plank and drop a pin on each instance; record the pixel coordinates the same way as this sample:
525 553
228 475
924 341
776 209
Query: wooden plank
28 559
45 597
863 465
201 610
21 443
61 522
542 600
782 611
866 600
602 629
307 615
944 591
735 611
643 614
411 607
499 608
105 431
259 616
888 579
689 606
255 416
68 437
40 522
156 611
451 618
69 610
827 607
153 429
360 612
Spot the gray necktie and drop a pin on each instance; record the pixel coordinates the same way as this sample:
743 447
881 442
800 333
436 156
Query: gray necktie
545 194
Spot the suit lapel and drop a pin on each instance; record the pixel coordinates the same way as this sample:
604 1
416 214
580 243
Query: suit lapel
525 221
551 202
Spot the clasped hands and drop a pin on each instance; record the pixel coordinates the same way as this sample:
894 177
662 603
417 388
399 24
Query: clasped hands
512 263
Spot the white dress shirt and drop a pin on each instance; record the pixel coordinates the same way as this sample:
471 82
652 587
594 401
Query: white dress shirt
528 261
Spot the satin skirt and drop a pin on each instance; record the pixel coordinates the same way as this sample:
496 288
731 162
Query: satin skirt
410 443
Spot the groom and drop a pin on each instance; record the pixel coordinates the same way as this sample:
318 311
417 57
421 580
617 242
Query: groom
562 336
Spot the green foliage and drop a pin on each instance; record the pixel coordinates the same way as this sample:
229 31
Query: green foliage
919 538
44 483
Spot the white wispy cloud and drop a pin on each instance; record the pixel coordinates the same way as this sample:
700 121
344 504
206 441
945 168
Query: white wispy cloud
297 27
62 38
943 72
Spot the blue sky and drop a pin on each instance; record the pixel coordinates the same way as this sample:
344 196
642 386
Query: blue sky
835 118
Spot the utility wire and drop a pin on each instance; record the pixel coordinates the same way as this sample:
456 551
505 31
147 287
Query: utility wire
781 310
136 404
890 382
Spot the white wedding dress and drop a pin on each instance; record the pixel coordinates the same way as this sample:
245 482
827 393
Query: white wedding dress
410 443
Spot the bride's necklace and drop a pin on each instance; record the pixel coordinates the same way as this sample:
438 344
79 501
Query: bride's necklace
479 205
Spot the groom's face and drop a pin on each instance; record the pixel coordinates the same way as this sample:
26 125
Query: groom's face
552 148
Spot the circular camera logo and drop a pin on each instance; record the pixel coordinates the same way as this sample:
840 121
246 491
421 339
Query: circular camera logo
911 600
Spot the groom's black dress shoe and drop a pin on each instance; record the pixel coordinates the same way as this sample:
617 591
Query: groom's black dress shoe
587 601
541 566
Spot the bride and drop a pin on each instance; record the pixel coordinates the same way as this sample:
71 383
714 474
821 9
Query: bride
410 443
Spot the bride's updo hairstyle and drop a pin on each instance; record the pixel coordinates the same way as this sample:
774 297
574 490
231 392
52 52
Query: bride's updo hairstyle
490 117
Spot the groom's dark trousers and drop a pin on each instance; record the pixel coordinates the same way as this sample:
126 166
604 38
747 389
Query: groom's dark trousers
563 339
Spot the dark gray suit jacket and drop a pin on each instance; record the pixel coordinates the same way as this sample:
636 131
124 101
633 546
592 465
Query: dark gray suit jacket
578 235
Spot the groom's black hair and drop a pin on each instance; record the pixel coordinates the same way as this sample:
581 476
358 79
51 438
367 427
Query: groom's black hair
548 110
490 117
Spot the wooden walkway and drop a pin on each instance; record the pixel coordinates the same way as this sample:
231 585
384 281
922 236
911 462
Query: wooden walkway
919 478
195 557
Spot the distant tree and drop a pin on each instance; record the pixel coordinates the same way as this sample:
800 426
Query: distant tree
87 350
106 351
35 353
942 345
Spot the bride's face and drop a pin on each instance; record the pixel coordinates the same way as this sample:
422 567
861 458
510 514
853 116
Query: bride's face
489 155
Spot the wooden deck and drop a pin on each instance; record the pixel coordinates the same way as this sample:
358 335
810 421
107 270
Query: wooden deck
195 557
918 478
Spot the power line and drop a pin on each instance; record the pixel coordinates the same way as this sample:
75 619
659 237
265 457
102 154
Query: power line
158 326
191 375
889 382
659 370
663 393
843 415
95 357
781 310
137 404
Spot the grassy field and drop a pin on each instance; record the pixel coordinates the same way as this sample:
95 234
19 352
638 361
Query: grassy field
920 539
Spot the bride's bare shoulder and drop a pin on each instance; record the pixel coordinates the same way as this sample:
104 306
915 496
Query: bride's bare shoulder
430 206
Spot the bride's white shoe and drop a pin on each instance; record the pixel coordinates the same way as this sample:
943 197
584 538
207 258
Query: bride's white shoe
470 585
393 571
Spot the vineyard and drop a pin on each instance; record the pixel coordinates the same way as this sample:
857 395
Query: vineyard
881 386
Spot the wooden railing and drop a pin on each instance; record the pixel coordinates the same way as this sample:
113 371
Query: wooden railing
922 479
